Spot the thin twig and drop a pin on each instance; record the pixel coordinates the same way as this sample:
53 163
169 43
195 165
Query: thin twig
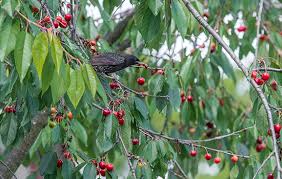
269 69
97 106
258 29
127 154
45 7
190 142
180 169
259 91
31 22
263 163
8 168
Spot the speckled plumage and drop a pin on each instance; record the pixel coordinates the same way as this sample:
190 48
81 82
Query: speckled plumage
112 62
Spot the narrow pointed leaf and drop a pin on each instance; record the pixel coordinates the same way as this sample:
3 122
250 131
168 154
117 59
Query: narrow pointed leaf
76 88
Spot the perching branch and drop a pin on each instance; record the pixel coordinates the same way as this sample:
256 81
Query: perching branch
17 155
261 95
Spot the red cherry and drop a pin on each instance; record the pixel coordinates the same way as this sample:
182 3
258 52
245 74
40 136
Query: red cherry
277 128
264 37
106 112
102 165
56 24
190 99
46 19
110 167
260 147
103 173
265 76
59 163
68 5
141 81
221 102
242 28
270 176
280 33
273 85
63 24
254 74
68 17
183 99
259 140
114 85
234 158
67 154
35 9
121 113
94 162
59 18
135 141
59 118
277 135
121 121
208 156
7 109
217 160
193 153
210 125
259 81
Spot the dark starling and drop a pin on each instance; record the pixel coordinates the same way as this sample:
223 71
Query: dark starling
112 62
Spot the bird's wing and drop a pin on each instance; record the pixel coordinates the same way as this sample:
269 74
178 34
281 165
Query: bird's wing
107 59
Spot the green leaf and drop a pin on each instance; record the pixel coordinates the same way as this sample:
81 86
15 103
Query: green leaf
76 88
150 151
48 163
155 6
156 84
141 107
57 52
59 85
9 6
47 71
40 52
23 53
56 134
89 78
179 17
8 39
79 131
234 172
9 130
67 169
89 171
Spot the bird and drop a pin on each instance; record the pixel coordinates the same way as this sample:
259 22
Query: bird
110 62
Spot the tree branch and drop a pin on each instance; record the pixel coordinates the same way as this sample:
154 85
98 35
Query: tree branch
127 155
263 163
113 36
186 142
180 169
17 155
258 28
201 20
269 69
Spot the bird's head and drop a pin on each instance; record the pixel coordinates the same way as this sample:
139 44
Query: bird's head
131 60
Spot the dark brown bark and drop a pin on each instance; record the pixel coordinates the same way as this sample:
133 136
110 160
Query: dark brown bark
17 155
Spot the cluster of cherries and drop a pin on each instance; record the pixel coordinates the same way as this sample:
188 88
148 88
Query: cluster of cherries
67 155
277 129
216 160
58 117
58 22
118 114
102 167
260 145
183 97
260 81
10 109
